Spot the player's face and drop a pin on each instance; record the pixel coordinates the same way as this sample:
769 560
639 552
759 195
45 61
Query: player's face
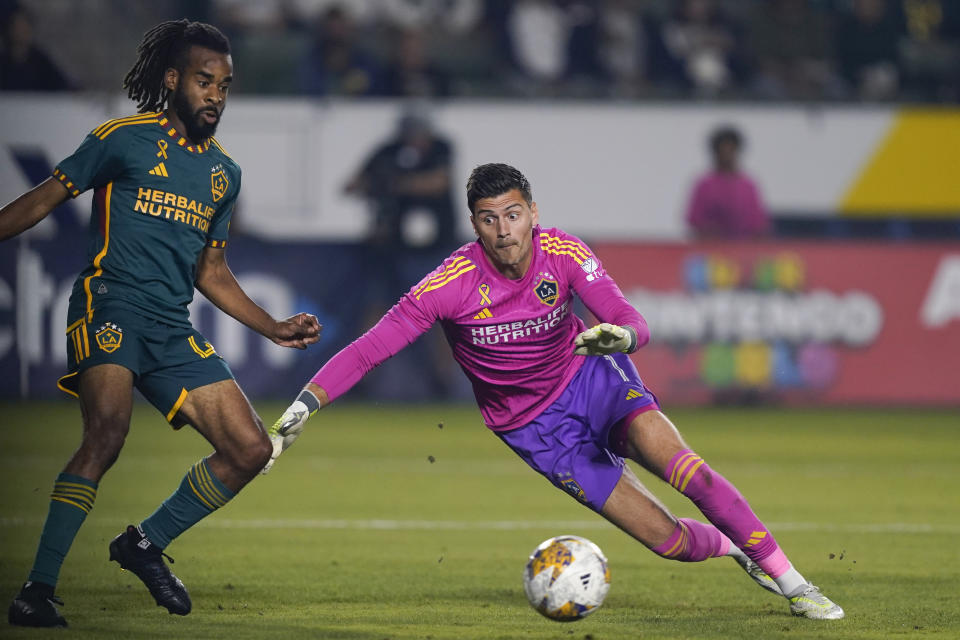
199 93
504 224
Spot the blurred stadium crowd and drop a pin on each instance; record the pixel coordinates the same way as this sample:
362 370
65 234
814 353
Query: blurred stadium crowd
756 50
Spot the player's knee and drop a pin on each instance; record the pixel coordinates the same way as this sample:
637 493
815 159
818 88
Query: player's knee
259 456
105 434
251 457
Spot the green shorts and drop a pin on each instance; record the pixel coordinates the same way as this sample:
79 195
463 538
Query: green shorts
167 361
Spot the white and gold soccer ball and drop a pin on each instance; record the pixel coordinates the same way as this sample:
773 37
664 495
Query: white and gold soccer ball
566 578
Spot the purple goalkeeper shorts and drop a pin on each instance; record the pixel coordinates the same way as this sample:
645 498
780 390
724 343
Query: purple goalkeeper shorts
574 443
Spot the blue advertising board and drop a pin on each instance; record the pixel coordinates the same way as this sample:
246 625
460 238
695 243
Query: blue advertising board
347 286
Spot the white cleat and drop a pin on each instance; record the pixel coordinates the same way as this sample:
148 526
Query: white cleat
814 605
759 575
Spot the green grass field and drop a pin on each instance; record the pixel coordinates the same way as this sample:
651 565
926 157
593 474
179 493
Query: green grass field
380 524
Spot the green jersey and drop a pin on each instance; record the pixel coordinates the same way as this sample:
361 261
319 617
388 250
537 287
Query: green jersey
158 201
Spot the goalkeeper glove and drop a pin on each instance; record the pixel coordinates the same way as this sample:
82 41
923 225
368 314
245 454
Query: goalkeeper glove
604 339
289 426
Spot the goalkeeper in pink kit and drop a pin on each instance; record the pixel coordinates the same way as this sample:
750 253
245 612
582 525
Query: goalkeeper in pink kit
566 398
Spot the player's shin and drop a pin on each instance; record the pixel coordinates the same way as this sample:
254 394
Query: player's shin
70 502
693 541
729 511
200 493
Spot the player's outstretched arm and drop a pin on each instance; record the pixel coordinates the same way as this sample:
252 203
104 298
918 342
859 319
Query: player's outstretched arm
289 425
31 207
395 331
216 281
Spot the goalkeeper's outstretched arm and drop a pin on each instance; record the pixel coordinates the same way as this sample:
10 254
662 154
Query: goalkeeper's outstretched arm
394 332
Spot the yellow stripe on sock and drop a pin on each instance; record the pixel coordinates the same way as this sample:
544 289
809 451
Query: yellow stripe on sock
673 474
86 495
201 486
213 494
213 490
683 540
678 545
75 492
206 485
78 495
76 485
681 465
686 480
86 505
198 494
72 503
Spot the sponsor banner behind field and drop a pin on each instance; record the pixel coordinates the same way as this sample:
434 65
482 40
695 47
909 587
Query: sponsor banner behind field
801 323
793 322
343 284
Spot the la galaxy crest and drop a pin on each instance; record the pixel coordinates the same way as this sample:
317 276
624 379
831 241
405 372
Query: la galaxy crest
218 182
573 488
547 291
109 336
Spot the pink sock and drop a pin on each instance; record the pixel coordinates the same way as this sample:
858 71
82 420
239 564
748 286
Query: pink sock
723 505
693 541
775 564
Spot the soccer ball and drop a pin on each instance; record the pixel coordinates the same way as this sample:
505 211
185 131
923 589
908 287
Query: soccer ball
566 578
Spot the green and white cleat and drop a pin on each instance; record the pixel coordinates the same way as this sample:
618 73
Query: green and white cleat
810 603
759 575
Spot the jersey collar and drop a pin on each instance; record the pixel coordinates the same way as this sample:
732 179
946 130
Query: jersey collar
535 252
181 141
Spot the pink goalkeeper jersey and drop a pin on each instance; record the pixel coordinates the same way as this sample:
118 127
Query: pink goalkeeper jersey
512 338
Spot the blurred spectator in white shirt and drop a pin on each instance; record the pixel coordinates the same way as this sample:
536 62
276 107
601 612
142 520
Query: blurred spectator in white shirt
867 44
704 44
792 42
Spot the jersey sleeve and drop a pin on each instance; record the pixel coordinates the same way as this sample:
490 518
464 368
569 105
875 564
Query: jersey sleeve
97 161
402 325
594 286
220 224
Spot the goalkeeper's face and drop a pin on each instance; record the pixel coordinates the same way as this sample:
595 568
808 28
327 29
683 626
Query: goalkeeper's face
504 224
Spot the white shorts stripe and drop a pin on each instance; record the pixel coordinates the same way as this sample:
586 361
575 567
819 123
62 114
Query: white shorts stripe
614 364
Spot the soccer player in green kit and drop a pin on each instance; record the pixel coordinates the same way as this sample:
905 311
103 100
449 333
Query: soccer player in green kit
164 192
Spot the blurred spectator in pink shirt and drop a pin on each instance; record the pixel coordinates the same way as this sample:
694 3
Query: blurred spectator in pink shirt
725 202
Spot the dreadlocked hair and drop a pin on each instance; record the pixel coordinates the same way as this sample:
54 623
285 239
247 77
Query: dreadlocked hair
164 46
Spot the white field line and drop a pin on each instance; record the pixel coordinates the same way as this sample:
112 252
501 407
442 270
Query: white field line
504 525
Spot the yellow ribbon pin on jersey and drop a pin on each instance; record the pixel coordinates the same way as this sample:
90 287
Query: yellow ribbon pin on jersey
484 297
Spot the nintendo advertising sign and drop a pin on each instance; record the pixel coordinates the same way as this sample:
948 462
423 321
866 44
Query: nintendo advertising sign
797 323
